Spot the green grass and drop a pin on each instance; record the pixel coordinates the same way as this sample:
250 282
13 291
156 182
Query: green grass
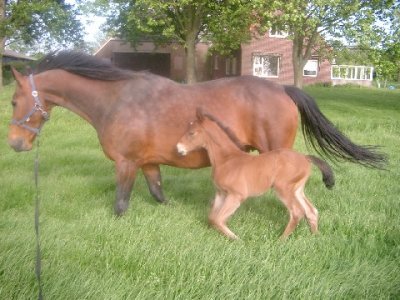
169 252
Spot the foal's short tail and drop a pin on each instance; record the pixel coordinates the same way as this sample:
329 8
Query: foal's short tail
326 139
327 173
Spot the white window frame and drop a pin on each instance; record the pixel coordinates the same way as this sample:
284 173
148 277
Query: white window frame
280 34
311 65
258 65
349 72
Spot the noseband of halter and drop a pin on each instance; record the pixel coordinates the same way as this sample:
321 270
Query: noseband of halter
37 107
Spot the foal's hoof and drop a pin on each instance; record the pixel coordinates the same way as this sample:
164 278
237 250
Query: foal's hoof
283 238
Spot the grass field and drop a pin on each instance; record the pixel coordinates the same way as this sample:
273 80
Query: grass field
169 252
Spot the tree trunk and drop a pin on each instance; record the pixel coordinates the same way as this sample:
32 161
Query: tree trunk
190 49
298 73
190 61
298 63
2 39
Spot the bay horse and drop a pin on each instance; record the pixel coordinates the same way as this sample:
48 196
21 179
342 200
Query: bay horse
238 175
139 117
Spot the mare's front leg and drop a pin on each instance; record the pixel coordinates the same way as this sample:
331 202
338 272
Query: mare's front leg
153 178
126 174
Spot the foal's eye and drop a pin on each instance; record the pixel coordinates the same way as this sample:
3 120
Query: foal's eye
13 103
192 133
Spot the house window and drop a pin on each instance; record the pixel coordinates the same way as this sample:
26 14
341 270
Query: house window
231 66
216 62
311 68
278 33
352 72
266 65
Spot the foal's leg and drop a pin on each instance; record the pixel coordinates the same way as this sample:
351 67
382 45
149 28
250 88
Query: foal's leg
296 211
153 178
309 209
216 205
126 174
218 220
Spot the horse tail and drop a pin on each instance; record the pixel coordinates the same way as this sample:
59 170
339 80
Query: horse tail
326 139
327 173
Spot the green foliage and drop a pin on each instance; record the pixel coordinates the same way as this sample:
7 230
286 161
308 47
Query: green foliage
314 24
225 23
49 23
168 251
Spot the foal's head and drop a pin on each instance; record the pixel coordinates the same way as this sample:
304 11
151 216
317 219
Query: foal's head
193 139
201 130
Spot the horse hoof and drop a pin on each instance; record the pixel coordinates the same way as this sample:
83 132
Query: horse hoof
162 201
120 209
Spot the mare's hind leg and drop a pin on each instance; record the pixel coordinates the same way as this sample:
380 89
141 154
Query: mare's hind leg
218 220
296 211
309 209
126 174
153 178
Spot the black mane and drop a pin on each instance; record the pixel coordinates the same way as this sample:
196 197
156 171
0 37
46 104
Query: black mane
82 64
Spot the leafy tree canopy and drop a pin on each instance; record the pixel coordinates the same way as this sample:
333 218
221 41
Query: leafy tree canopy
39 24
224 23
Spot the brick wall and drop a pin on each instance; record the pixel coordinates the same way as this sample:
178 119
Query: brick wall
281 47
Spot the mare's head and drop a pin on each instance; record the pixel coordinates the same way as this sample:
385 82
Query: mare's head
194 137
29 113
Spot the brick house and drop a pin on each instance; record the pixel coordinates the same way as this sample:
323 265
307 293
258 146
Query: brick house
269 57
168 60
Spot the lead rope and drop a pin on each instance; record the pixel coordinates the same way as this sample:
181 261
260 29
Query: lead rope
38 265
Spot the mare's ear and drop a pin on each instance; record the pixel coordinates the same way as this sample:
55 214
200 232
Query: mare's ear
200 114
17 75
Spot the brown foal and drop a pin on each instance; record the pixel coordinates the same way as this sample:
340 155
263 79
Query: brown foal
238 175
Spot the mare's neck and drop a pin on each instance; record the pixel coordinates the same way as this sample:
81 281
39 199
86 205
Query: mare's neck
86 97
218 144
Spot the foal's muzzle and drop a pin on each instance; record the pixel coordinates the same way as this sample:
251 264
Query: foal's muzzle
181 149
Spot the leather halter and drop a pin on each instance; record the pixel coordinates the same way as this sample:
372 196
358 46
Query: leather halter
37 107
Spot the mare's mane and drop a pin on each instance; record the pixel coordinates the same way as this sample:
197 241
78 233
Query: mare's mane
82 64
232 136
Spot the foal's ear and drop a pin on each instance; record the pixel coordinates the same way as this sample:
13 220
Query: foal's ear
17 75
200 114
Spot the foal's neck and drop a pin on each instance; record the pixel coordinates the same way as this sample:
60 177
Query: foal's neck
218 144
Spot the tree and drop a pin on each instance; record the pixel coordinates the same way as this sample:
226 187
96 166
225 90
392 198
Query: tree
44 22
225 23
381 48
311 24
391 41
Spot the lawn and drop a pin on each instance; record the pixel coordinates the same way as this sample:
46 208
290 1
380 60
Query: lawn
169 252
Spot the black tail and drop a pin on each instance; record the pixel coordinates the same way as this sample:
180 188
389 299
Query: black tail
326 139
327 173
